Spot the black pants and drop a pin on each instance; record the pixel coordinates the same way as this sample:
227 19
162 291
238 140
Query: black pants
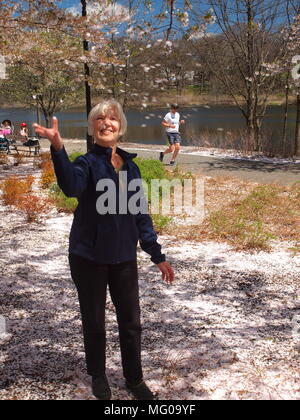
91 281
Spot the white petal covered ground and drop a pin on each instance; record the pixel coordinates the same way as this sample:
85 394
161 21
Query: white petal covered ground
227 329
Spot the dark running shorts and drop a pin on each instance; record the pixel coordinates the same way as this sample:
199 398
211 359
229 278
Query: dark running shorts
174 138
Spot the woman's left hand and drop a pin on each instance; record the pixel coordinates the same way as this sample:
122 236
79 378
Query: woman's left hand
167 272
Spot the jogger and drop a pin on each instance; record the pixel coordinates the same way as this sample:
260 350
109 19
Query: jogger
172 122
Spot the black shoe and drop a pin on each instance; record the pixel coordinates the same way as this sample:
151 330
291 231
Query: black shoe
101 388
161 156
141 391
172 163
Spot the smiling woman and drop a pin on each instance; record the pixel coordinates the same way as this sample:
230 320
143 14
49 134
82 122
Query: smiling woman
102 250
107 115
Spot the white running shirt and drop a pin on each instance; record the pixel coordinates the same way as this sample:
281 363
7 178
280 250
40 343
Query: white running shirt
173 119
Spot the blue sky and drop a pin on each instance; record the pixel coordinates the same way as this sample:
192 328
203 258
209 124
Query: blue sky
76 3
144 13
159 6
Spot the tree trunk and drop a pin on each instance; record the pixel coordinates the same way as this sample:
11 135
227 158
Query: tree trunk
297 129
48 118
172 4
252 143
286 105
113 72
125 100
251 111
257 134
88 100
251 136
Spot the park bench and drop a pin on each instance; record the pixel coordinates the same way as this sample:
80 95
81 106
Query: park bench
4 145
16 143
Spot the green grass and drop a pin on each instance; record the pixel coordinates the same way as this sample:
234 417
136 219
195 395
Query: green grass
73 156
151 169
61 201
160 222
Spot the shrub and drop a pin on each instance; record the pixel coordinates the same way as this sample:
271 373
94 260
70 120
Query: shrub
33 206
17 192
44 159
47 177
48 174
46 165
13 188
61 201
56 196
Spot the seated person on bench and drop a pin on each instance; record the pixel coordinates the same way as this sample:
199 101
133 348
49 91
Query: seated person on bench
5 128
24 134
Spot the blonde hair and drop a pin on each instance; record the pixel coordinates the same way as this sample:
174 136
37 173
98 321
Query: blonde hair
103 108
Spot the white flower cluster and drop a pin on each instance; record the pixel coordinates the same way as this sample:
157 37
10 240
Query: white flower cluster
183 17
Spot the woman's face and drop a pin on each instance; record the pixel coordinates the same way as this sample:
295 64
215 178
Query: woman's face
107 129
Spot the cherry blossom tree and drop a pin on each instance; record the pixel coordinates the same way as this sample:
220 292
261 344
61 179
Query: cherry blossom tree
51 40
39 75
245 55
89 39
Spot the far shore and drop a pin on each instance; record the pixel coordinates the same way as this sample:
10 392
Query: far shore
185 101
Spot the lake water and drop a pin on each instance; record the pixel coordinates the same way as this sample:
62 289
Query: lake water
215 126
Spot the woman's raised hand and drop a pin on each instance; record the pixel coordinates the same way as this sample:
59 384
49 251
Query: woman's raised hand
52 134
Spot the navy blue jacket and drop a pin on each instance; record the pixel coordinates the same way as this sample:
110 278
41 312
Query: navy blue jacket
103 238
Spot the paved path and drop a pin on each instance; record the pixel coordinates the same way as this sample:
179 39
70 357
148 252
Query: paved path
250 170
283 174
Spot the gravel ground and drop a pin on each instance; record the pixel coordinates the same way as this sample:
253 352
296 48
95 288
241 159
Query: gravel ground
228 328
